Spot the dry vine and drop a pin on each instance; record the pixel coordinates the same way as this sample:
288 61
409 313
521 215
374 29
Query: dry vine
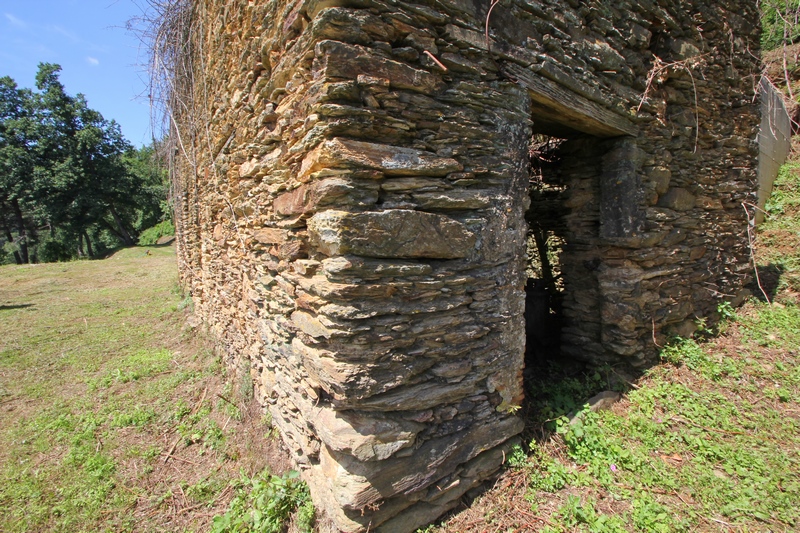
171 31
659 74
488 18
751 226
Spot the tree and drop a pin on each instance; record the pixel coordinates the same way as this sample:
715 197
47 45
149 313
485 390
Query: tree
16 165
68 171
780 21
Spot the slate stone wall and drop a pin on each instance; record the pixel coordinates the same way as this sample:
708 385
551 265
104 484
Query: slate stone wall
351 209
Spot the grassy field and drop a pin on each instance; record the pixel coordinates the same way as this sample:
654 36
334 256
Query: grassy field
708 440
113 414
116 416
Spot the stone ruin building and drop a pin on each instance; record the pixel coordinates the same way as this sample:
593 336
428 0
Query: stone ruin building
365 187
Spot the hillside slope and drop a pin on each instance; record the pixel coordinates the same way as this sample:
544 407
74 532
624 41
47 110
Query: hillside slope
708 440
114 416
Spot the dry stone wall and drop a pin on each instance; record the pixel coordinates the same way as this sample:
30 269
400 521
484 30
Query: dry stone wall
351 209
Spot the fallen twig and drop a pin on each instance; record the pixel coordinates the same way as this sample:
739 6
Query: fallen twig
221 397
200 402
171 450
179 459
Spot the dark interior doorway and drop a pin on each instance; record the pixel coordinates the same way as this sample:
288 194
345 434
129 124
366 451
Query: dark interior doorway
544 290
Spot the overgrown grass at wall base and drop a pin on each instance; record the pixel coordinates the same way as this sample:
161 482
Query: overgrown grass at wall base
705 439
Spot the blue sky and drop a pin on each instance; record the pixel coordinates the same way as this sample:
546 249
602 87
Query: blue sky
98 56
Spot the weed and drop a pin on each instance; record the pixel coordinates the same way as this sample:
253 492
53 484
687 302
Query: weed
649 515
181 410
204 491
245 383
517 458
306 516
577 515
139 416
785 193
142 364
726 311
187 303
550 475
265 503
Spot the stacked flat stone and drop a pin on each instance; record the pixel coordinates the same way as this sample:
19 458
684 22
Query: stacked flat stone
351 210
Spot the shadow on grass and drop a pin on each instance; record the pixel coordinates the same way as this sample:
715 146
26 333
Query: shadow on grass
15 306
768 281
558 386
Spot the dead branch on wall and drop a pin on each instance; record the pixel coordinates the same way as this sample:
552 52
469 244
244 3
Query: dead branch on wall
660 72
180 104
166 31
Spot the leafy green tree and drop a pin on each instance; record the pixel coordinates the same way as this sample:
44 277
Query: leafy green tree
67 171
780 20
17 162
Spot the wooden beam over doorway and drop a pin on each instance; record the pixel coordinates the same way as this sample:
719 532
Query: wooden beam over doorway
558 110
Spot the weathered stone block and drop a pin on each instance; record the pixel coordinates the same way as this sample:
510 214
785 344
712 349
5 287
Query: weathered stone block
367 437
678 199
271 235
395 233
313 196
357 484
391 160
335 59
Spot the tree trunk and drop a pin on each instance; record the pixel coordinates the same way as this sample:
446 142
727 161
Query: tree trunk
89 249
126 236
80 245
110 227
10 238
23 234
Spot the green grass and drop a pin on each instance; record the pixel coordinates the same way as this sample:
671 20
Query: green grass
708 440
99 385
265 502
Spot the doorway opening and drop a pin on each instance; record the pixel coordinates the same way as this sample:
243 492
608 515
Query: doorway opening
564 299
544 291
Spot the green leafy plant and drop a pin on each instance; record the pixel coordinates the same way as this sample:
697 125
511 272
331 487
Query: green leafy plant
265 503
150 236
726 311
517 457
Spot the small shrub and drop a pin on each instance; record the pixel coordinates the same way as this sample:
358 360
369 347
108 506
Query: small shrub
267 505
150 236
52 250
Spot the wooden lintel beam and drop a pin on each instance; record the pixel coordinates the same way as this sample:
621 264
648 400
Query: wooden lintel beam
557 105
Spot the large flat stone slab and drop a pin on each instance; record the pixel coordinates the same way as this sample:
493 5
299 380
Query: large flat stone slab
335 59
396 233
340 153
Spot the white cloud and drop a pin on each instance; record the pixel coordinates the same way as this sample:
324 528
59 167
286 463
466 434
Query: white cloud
15 21
92 61
66 33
